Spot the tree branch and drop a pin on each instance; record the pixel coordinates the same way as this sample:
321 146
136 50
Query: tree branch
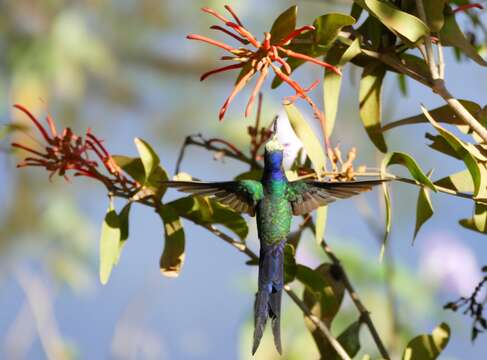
439 85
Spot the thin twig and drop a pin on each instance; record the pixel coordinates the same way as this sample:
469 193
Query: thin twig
439 85
318 323
364 313
198 140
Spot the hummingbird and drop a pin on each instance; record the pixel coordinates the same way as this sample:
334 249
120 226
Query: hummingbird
274 200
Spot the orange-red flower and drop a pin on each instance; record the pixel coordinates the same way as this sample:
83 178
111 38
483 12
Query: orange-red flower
258 58
67 151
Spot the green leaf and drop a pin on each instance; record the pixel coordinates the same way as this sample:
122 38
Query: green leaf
350 341
477 171
306 135
324 289
250 175
309 278
289 264
428 347
399 22
478 222
458 182
149 158
370 103
329 25
284 24
132 166
399 158
403 86
321 216
332 82
172 257
135 168
204 211
356 11
424 210
434 14
441 145
109 243
124 228
452 35
325 303
443 114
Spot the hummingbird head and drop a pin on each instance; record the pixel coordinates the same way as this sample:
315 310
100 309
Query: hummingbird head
274 154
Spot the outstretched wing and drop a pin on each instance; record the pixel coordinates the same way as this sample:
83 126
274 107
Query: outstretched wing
241 196
305 196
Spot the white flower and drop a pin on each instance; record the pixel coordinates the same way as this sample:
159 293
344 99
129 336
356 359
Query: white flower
288 138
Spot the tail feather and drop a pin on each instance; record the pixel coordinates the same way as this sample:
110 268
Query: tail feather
261 310
275 307
268 297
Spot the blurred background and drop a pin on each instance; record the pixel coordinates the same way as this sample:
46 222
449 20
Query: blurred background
125 69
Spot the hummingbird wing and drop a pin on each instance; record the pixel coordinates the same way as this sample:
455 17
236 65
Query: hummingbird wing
241 196
305 195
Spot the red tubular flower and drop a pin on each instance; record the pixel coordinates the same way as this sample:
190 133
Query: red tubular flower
257 59
467 7
70 152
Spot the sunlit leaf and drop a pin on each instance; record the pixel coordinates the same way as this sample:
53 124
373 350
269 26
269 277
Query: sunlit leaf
329 25
172 257
370 103
289 264
443 114
109 243
458 182
306 134
452 35
399 158
477 171
399 22
284 24
149 158
135 168
478 222
434 14
332 82
132 166
321 216
424 210
428 347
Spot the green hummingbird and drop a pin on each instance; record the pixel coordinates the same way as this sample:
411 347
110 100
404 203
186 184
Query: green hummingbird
274 200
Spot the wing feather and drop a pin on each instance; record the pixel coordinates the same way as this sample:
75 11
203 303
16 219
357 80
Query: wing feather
241 196
305 196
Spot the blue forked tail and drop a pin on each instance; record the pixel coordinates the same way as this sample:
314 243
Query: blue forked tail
268 297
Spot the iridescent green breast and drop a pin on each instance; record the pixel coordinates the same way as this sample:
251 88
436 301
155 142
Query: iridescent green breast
274 213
